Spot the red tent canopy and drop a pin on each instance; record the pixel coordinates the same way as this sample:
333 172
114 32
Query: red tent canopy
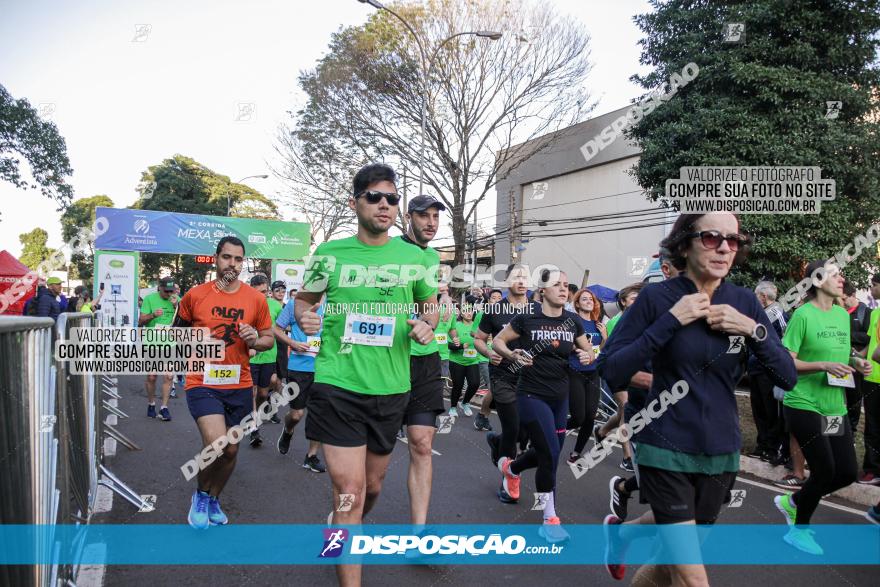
11 271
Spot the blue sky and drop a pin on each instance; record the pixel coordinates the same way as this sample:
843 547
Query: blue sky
124 97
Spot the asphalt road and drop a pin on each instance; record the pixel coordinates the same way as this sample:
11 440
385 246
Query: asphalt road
268 488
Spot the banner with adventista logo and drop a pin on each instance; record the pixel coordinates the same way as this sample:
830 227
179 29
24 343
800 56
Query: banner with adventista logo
290 272
116 274
151 231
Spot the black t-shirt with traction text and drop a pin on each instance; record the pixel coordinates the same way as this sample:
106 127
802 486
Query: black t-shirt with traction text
550 341
495 318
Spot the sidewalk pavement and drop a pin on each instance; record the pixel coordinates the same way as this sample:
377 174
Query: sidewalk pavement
866 495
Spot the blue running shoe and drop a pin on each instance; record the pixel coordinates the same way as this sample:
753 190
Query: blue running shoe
215 514
198 511
151 411
164 415
802 539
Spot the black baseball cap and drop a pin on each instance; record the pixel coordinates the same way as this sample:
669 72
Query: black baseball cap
166 284
423 202
278 285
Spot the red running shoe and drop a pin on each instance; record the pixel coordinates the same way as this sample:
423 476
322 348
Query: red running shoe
509 482
614 551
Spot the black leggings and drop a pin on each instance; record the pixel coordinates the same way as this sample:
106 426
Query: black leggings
510 430
459 374
832 459
583 401
545 422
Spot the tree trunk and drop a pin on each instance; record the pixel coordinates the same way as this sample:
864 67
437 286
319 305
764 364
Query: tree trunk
459 233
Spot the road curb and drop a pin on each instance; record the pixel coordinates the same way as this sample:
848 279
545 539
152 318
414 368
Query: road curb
866 495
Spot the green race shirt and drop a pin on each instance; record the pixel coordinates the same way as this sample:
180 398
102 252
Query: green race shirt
269 356
441 333
874 333
432 258
817 335
154 301
354 276
466 336
612 323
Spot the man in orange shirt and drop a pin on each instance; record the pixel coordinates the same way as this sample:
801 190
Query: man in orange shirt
222 396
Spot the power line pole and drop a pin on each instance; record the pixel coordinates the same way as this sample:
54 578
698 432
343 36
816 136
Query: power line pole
514 229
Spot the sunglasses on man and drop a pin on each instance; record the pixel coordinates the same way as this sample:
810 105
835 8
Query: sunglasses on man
712 239
374 197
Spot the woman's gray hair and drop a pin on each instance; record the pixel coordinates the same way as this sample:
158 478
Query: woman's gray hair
768 289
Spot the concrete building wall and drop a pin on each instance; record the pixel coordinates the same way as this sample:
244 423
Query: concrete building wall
559 183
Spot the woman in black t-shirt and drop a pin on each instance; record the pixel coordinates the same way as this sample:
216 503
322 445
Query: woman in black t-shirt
546 338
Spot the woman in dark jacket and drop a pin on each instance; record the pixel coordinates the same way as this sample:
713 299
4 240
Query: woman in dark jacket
693 329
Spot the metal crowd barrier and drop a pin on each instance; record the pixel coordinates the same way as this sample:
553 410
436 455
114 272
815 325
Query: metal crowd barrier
52 433
28 438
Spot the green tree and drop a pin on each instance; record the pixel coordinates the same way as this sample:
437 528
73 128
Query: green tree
181 184
81 214
34 249
24 134
490 104
763 102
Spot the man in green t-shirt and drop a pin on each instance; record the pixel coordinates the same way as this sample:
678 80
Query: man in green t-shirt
157 311
362 372
426 376
871 389
263 363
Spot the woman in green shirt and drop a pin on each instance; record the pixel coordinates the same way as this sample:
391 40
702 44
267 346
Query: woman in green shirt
441 336
463 361
818 338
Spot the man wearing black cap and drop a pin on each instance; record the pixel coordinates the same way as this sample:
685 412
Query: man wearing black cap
426 391
157 311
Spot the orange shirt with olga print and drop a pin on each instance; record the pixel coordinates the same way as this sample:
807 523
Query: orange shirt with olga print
205 306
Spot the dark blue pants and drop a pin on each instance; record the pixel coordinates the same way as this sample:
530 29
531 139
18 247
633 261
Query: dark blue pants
544 420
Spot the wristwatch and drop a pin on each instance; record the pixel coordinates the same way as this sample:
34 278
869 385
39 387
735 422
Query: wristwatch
759 334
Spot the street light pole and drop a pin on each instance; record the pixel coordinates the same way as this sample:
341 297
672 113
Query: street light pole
426 66
239 181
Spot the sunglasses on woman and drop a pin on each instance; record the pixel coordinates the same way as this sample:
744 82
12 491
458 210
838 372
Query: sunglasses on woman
712 239
374 197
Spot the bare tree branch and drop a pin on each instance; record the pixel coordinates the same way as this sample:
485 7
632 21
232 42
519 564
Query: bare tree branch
490 104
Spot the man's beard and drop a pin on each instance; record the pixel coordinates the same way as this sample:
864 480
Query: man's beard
420 236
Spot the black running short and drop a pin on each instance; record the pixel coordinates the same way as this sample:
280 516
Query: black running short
305 380
679 497
281 359
503 390
339 417
262 373
426 391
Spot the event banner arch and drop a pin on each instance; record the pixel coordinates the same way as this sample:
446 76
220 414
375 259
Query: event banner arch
152 231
